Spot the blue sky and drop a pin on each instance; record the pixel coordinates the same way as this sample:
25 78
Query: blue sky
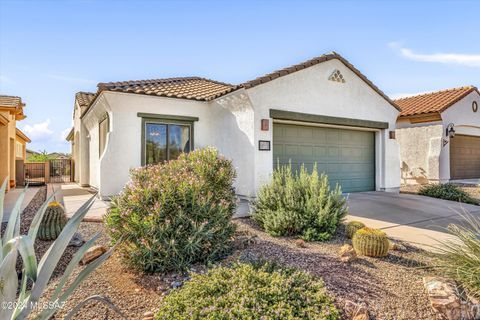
51 49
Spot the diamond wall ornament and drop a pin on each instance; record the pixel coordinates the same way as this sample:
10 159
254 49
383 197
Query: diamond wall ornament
337 76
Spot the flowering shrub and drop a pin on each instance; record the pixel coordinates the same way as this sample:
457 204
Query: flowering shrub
247 292
300 204
174 214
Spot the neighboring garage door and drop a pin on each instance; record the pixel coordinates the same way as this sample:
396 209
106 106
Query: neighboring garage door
346 156
464 157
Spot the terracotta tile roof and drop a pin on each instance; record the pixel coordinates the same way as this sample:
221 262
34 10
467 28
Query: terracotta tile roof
201 89
193 88
434 102
15 103
326 57
10 101
84 98
22 135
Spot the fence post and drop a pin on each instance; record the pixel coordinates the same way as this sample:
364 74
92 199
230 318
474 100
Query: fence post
47 171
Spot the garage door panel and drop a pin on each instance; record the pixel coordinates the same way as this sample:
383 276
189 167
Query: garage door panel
346 156
465 157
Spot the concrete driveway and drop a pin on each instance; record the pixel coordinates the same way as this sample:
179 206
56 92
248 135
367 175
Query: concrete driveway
417 219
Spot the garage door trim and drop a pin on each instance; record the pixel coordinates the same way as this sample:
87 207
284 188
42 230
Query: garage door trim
315 118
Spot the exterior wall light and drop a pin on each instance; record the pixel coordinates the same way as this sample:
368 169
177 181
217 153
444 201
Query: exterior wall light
450 132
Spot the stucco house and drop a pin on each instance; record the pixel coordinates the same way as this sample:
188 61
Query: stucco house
439 136
12 140
320 111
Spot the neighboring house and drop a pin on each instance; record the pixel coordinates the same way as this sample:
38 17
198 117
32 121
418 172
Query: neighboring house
426 125
12 140
321 111
31 153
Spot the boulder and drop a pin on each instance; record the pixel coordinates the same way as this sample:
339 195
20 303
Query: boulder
355 311
347 253
76 241
300 243
446 302
92 254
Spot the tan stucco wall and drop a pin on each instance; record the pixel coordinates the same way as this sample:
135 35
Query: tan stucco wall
420 149
7 148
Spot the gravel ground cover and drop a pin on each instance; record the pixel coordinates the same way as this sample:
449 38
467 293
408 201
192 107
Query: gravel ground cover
390 287
472 190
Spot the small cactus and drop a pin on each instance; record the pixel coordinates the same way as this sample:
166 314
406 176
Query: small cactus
370 242
352 227
53 222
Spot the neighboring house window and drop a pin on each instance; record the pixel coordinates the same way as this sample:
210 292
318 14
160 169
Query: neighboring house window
102 135
166 141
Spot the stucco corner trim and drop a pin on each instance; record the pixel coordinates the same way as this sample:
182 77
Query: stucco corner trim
314 118
166 117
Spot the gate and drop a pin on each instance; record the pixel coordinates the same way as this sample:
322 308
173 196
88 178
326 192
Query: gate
61 170
34 173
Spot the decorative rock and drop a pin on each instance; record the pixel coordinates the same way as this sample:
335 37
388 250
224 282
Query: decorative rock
148 316
355 311
92 254
446 302
300 243
176 284
347 253
76 241
395 246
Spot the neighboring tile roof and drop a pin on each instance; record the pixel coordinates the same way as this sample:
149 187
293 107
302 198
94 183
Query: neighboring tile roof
434 102
13 102
10 101
84 98
326 57
193 88
201 89
22 135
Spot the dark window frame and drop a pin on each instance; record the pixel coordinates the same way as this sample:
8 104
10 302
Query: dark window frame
148 118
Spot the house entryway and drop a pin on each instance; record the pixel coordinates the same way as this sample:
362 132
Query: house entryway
346 156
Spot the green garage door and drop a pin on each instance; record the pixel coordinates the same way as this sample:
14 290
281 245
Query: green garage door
346 156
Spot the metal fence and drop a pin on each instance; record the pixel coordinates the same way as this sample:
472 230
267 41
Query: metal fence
35 173
61 170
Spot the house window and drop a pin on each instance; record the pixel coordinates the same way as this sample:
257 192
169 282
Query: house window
166 141
102 135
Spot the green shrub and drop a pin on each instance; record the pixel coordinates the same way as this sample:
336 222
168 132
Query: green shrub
370 242
247 292
447 191
460 257
174 214
299 204
352 227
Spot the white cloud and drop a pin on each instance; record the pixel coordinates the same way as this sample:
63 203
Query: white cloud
64 133
38 130
469 60
71 79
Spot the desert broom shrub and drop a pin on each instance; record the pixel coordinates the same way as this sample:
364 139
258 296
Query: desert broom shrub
249 292
300 204
447 191
174 214
460 257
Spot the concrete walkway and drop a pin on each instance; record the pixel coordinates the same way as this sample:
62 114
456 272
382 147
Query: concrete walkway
11 198
73 197
417 219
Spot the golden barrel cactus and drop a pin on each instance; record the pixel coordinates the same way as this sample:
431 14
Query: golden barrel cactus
370 242
53 222
352 227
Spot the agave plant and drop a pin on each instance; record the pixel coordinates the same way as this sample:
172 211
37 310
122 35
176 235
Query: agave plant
19 300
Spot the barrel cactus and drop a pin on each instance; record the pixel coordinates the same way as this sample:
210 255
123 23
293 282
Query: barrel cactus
352 227
53 222
370 242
